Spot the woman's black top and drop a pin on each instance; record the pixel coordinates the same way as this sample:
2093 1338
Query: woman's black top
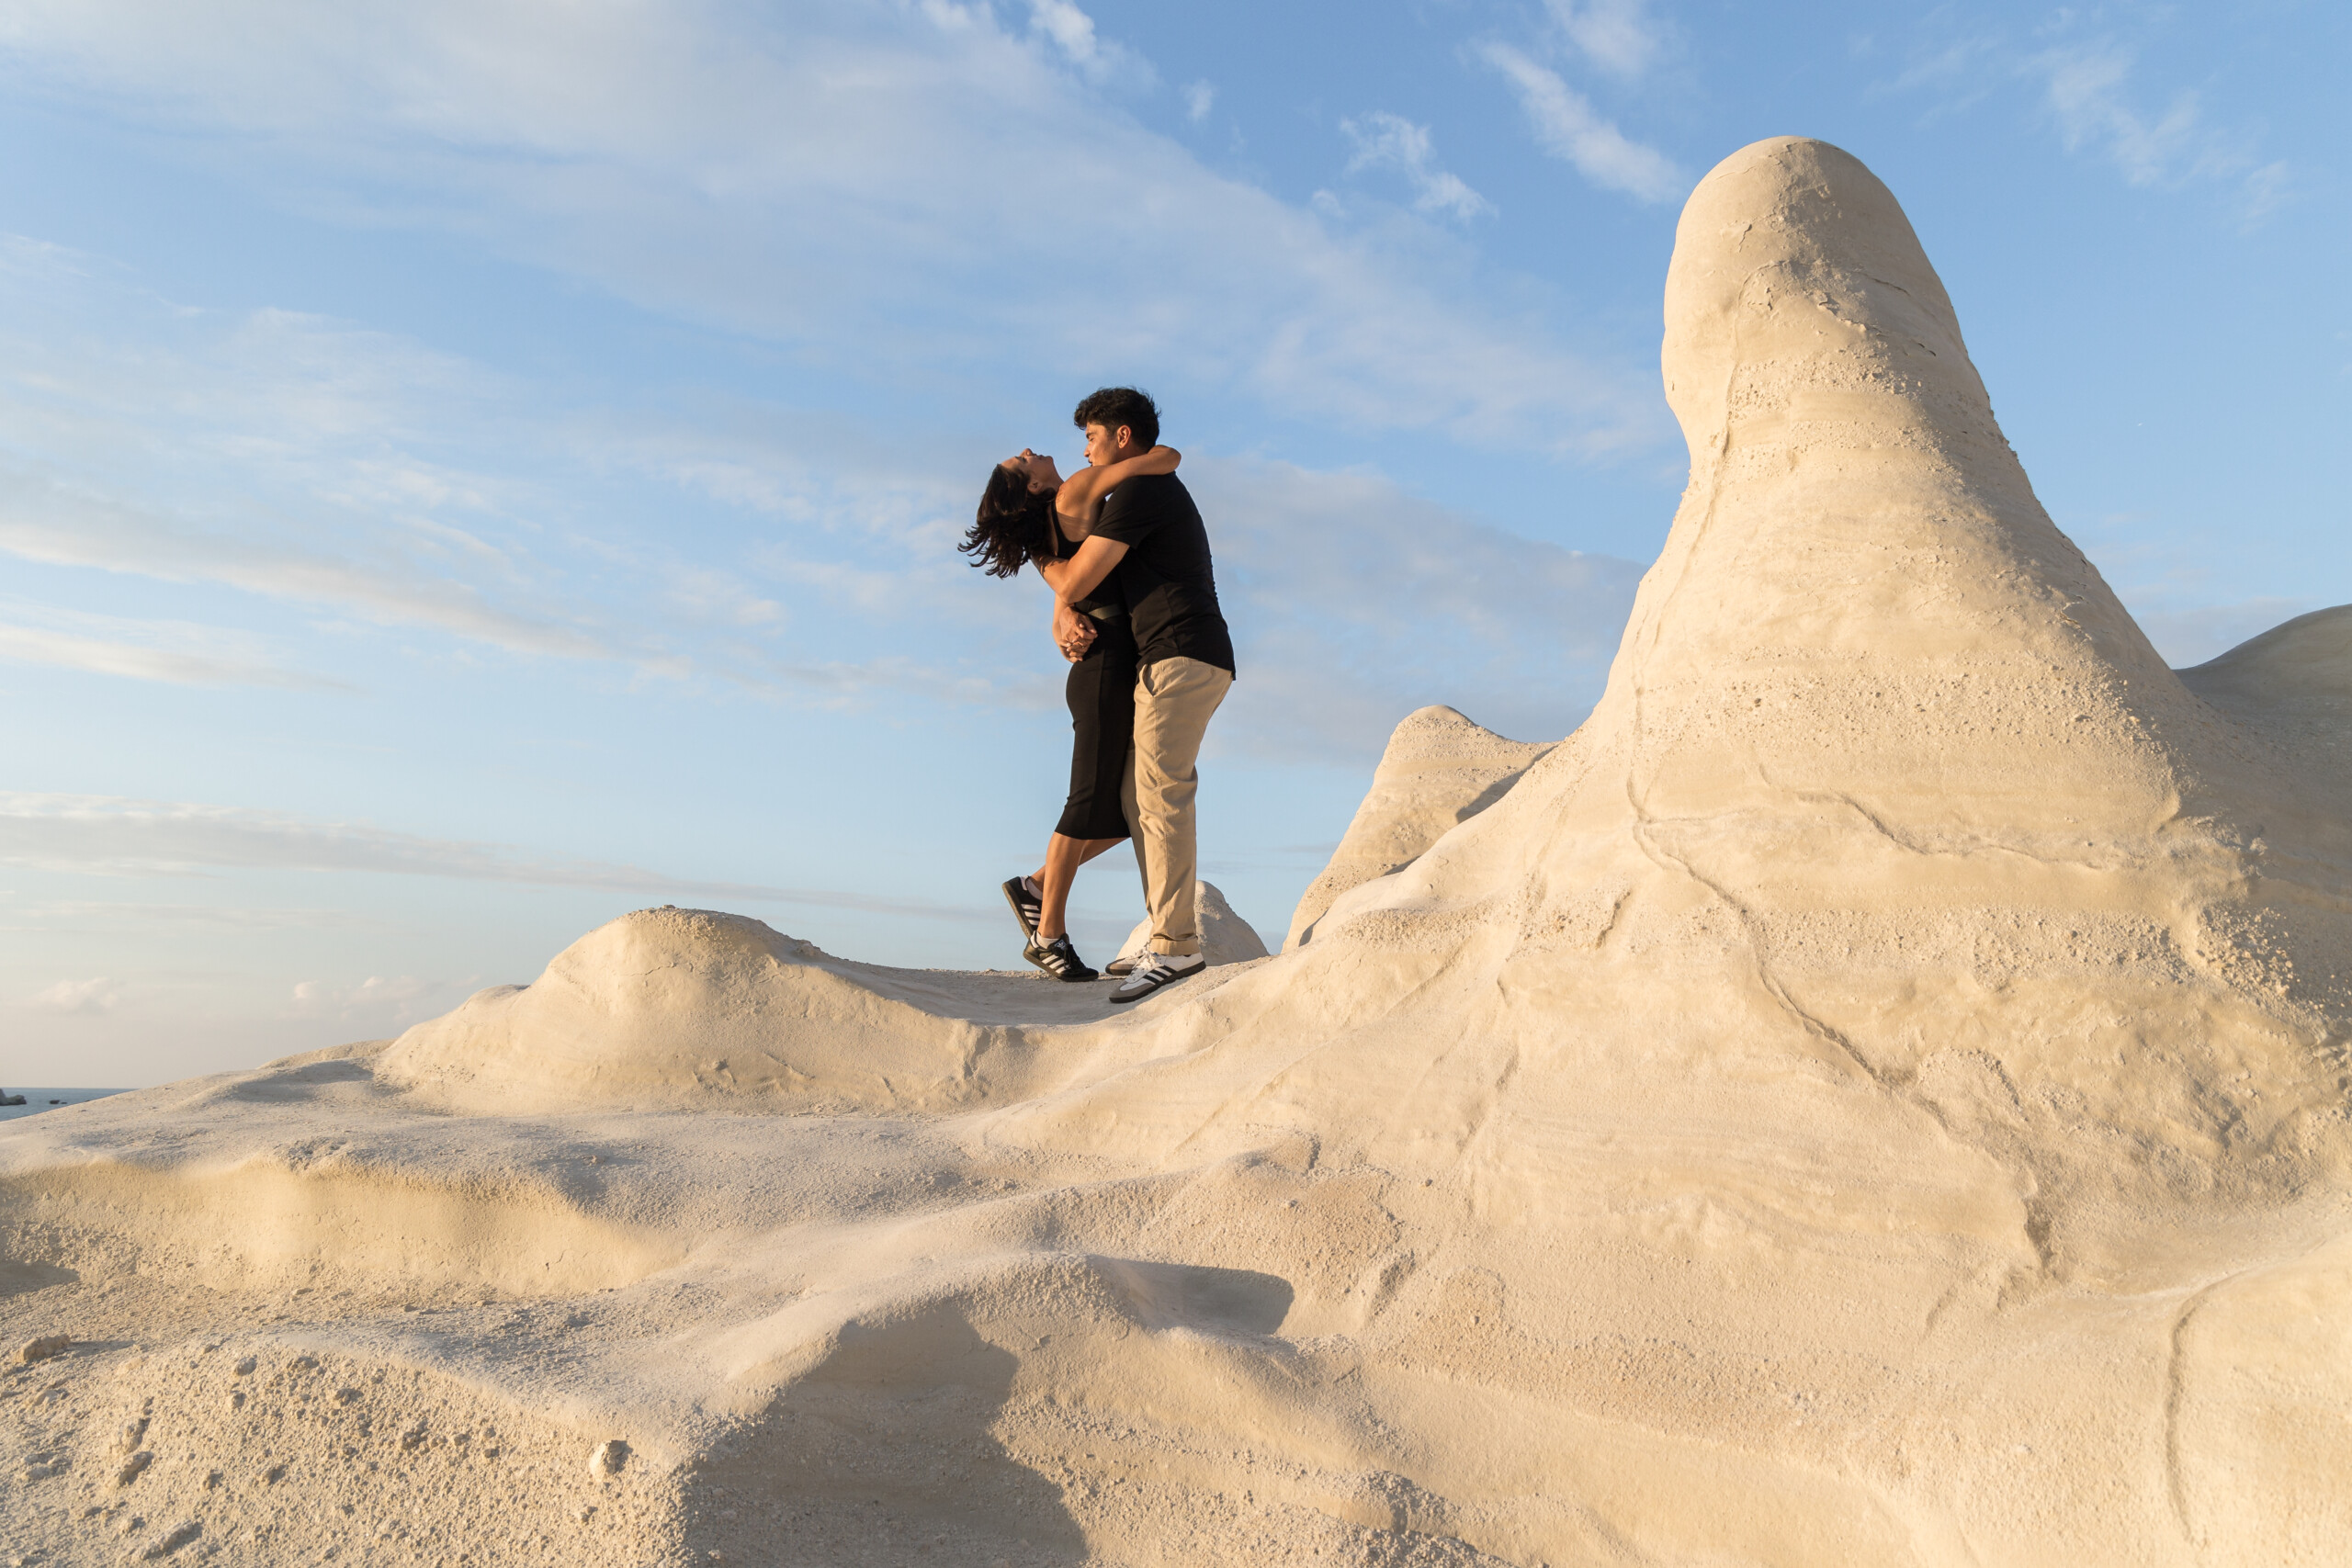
1102 694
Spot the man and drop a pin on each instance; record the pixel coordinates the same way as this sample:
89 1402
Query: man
1151 534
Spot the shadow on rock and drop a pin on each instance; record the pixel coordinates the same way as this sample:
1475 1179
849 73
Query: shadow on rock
1214 1300
884 1455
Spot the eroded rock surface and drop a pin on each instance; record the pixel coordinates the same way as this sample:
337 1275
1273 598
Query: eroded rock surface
1439 771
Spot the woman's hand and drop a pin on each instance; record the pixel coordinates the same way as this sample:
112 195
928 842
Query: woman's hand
1073 632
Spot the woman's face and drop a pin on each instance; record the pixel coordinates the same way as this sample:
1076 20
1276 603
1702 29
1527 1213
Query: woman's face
1035 468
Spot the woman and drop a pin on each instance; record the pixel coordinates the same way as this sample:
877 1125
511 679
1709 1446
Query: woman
1029 514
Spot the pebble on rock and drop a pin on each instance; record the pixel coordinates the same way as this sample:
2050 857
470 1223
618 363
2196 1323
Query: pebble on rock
605 1460
43 1349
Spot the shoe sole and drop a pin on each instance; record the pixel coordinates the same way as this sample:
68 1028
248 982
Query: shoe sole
1028 929
1078 980
1161 985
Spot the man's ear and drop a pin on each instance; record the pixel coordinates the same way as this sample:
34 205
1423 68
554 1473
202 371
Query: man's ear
1126 438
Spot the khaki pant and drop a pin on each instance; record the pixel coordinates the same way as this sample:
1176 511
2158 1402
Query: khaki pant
1175 698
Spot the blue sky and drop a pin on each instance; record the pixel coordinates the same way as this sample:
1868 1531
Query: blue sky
470 470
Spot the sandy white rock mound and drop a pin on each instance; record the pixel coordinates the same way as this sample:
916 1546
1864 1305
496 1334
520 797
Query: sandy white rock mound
1902 974
2305 662
2292 686
1876 1094
1439 771
672 1009
1225 936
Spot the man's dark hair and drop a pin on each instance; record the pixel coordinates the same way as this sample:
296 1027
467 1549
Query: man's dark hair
1015 524
1115 406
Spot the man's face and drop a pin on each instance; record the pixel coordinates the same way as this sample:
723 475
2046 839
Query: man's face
1108 443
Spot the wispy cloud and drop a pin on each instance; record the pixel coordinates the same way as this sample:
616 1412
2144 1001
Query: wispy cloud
287 456
1619 36
175 652
1956 72
794 556
399 998
2088 90
104 835
1199 98
1567 127
1384 141
2085 90
1073 32
1323 573
93 995
114 916
2092 91
51 520
834 178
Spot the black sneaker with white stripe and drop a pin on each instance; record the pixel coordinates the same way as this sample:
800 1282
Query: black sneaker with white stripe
1027 908
1058 958
1153 970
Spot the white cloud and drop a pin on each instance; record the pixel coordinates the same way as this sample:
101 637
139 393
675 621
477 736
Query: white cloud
51 520
175 652
1072 33
112 916
1958 71
1384 141
323 468
717 596
283 455
2085 91
1567 126
782 552
96 996
1619 36
1199 98
104 835
834 178
2268 188
394 999
1353 603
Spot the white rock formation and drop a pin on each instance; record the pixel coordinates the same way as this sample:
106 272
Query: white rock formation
1439 771
1876 1094
2293 685
2305 662
1225 936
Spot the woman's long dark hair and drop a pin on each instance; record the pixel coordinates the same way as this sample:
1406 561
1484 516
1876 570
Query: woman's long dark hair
1015 524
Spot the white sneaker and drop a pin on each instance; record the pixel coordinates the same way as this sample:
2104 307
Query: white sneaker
1125 964
1153 970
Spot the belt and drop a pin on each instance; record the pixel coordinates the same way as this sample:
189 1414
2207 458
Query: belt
1106 612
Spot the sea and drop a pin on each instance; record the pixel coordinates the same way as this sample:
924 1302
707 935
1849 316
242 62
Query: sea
39 1099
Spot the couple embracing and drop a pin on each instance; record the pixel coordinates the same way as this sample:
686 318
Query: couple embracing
1124 549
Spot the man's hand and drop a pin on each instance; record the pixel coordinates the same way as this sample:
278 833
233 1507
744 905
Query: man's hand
1073 632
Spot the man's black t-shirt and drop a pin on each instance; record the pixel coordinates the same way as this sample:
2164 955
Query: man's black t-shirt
1169 580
